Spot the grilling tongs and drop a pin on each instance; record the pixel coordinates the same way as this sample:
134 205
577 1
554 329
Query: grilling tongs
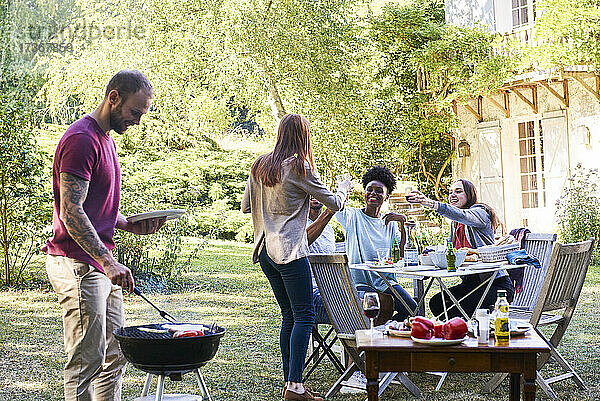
162 313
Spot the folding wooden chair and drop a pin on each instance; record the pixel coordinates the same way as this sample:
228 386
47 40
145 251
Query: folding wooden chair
538 245
344 308
320 345
559 294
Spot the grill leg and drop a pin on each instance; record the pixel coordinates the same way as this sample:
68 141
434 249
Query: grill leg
159 387
147 385
202 385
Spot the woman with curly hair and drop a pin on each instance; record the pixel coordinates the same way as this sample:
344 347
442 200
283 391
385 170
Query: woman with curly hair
473 225
367 229
278 195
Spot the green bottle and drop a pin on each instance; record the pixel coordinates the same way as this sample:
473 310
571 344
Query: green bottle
451 257
395 251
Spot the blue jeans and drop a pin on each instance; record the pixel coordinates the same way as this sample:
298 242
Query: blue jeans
401 312
292 287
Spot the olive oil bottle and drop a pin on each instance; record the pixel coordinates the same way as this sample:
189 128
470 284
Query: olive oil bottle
502 326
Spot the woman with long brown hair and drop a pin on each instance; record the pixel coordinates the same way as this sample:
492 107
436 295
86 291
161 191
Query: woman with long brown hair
473 226
278 196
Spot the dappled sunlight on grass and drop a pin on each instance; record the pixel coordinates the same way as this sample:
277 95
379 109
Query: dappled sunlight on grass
232 292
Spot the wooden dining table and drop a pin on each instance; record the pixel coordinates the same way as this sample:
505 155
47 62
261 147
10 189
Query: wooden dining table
395 354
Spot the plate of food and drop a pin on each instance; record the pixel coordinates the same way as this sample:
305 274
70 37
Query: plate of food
398 329
438 341
386 263
170 214
517 327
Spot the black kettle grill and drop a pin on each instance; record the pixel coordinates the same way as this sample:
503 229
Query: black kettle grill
152 349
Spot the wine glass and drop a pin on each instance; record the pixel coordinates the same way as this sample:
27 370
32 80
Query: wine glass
371 308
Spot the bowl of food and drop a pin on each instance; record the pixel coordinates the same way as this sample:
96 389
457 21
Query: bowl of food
440 261
426 259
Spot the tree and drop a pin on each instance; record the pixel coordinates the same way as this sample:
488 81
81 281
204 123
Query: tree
23 204
422 67
567 32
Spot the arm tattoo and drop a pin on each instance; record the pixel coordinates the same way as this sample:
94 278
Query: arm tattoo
73 192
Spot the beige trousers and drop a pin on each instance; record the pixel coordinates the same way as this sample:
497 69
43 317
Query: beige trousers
92 308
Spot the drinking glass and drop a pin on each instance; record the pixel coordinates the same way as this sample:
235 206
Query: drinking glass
371 308
382 255
407 191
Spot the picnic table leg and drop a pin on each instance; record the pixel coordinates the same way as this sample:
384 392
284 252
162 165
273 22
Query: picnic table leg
515 387
372 374
402 301
529 377
419 290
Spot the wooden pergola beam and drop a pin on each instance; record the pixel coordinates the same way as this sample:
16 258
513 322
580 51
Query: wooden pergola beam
564 98
478 114
594 92
506 108
533 104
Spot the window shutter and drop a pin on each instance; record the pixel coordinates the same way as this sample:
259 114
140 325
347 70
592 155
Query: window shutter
491 177
556 158
502 11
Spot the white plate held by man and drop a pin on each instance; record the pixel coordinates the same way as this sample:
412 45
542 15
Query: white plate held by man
170 214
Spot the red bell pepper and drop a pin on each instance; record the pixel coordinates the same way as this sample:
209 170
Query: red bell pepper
437 330
188 333
421 330
425 321
454 329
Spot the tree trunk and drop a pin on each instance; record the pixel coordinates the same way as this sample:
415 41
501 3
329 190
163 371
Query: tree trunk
275 100
438 179
4 222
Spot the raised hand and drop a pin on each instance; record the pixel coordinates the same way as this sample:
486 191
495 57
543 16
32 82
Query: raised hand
147 226
394 217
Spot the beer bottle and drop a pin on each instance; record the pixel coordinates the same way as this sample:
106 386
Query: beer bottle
451 257
395 251
502 326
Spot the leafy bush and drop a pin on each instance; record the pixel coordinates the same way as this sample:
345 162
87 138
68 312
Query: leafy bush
156 261
24 206
246 232
578 208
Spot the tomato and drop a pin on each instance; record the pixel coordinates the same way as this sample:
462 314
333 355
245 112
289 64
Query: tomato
421 330
454 328
188 333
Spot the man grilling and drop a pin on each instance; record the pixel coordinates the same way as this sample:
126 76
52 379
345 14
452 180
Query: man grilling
86 180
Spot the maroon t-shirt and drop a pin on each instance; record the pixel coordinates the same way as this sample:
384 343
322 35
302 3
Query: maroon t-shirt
89 153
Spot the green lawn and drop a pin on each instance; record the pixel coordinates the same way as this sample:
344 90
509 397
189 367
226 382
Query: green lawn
225 287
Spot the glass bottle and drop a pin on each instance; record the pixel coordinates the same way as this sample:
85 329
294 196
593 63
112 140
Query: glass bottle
502 325
451 257
395 251
411 254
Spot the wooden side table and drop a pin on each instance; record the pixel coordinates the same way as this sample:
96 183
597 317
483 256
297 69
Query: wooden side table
392 354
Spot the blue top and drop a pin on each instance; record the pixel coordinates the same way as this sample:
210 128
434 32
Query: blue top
364 235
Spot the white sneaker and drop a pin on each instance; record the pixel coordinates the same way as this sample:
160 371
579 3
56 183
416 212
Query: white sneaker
355 385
